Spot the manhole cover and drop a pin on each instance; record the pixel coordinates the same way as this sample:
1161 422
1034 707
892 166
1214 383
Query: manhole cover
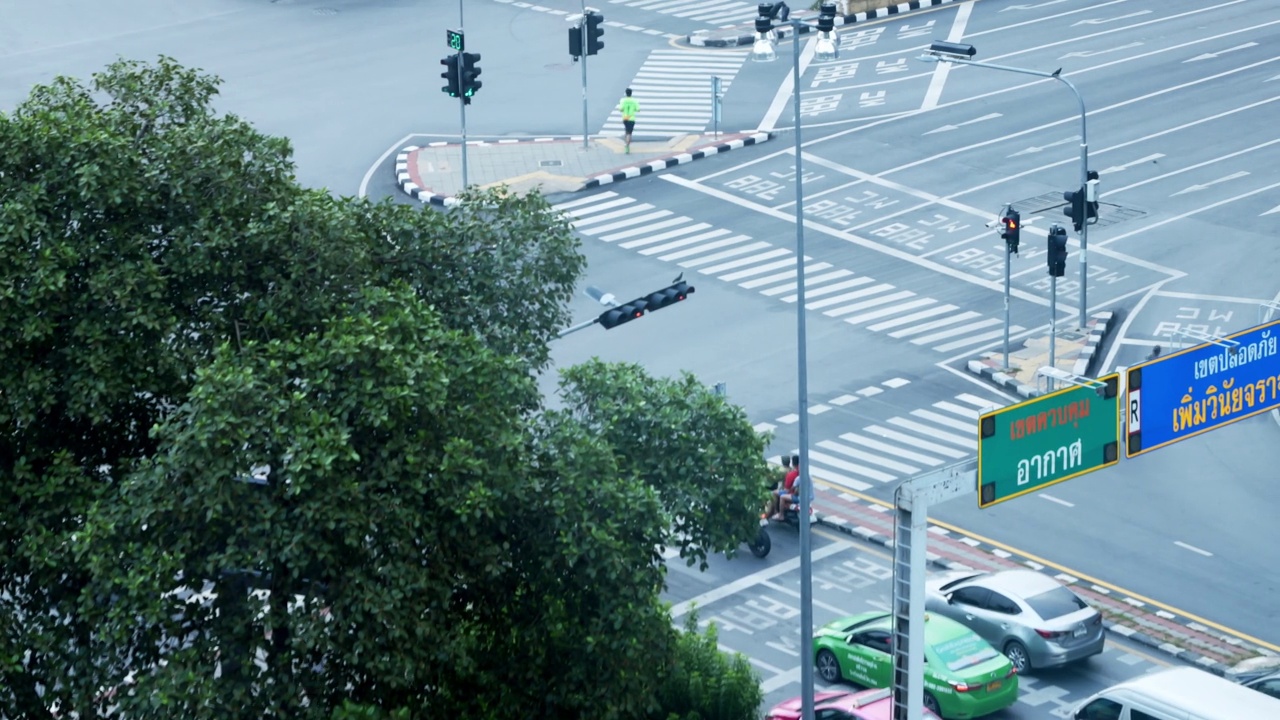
550 163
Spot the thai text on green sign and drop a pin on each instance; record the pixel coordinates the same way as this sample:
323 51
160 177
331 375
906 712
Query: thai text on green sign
1048 439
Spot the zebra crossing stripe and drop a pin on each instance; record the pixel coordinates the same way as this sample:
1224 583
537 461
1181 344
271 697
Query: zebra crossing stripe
816 267
566 206
583 212
726 254
975 339
810 294
891 449
873 290
731 277
744 261
808 281
952 332
698 228
982 404
705 248
888 324
944 420
962 441
960 410
868 457
605 217
873 302
968 314
627 222
916 442
892 310
644 229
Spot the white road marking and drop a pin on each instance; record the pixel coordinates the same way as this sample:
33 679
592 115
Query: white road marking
944 420
936 310
896 382
745 261
697 228
870 391
755 578
1053 499
873 290
844 399
931 432
915 442
958 410
983 404
808 282
783 96
726 254
891 449
1189 213
707 247
809 294
882 300
1192 548
868 457
849 467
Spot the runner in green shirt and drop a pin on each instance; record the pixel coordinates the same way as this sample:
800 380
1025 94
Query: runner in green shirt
628 107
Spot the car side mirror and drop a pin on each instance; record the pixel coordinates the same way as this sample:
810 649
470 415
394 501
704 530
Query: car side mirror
949 601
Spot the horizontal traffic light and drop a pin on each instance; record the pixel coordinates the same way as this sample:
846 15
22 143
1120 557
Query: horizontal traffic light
656 300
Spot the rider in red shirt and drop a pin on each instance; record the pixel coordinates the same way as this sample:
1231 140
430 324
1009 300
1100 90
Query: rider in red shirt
786 494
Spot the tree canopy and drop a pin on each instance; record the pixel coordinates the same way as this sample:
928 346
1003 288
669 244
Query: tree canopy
268 452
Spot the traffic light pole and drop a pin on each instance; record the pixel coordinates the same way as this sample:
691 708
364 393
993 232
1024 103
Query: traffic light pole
1053 324
1084 160
583 25
1008 263
462 108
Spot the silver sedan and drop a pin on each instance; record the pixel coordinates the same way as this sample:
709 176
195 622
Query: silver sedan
1029 616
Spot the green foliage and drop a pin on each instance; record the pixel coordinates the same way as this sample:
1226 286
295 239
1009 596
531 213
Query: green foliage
698 452
703 683
271 453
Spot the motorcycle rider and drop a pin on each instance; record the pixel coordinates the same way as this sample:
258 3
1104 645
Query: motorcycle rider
785 495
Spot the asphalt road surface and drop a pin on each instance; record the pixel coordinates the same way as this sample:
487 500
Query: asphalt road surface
756 608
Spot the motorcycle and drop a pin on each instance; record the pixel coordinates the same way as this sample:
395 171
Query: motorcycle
762 543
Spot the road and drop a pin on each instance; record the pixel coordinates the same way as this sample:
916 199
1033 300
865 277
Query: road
755 607
902 172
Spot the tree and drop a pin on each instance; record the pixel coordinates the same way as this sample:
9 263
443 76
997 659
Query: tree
704 683
272 453
698 452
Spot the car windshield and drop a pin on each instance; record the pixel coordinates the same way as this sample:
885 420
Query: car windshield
1055 603
964 651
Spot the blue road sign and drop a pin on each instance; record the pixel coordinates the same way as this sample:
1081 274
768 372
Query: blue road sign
1202 388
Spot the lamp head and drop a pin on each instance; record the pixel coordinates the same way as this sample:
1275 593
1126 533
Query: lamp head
942 47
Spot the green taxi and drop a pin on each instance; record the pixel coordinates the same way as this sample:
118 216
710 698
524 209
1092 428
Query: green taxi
964 677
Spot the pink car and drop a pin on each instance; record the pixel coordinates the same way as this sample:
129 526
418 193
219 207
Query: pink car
860 705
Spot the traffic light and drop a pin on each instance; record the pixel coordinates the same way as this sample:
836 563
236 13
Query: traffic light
1057 251
620 314
594 20
667 296
827 18
1011 229
1091 194
451 76
575 42
469 72
1075 208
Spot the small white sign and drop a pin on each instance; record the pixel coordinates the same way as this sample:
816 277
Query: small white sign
1135 411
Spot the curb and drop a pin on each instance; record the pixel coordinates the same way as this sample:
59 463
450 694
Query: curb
682 158
427 196
1128 632
1099 325
702 38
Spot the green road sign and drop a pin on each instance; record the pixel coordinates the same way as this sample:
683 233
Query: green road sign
1045 440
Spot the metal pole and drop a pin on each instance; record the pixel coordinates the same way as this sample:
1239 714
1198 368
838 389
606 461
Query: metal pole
802 376
1084 163
1053 324
462 107
582 33
715 104
1008 262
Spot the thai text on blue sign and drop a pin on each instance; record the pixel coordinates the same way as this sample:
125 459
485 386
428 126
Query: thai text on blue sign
1203 388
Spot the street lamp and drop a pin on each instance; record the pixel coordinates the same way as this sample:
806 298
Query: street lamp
960 53
764 50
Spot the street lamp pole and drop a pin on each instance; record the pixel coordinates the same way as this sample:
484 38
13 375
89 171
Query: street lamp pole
944 56
763 51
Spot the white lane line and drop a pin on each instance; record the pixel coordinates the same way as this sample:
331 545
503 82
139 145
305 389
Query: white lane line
942 69
742 583
1053 499
891 449
1192 548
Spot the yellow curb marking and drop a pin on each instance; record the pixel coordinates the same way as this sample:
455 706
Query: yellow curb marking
1062 568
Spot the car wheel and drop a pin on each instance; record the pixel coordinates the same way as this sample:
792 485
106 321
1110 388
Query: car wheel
931 704
1017 654
828 667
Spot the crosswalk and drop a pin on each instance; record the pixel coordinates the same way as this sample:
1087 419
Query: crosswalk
902 446
857 299
721 13
673 88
